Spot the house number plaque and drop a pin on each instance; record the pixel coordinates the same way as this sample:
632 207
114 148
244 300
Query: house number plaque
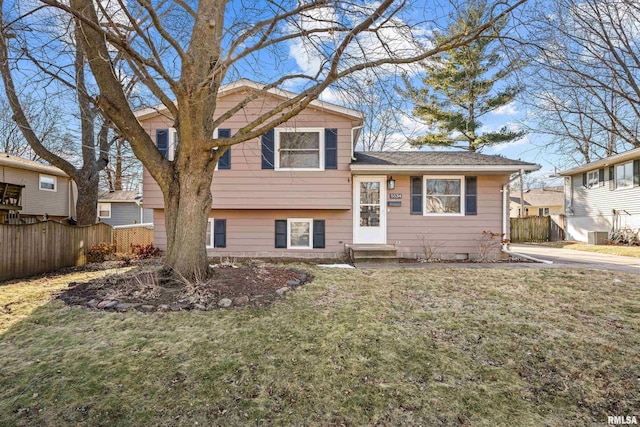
395 196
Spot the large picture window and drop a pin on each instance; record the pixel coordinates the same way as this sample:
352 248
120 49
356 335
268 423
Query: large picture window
300 149
443 195
624 175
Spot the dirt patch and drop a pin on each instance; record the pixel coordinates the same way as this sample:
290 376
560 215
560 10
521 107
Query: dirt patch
228 286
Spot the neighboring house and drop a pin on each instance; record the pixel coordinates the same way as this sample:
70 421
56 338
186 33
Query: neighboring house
300 190
603 195
538 202
43 191
122 208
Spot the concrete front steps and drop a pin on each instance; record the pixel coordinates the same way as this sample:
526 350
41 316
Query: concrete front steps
373 254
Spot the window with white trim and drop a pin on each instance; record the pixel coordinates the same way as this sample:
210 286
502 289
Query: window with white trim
48 182
300 233
209 239
444 195
299 149
624 175
593 179
173 143
104 210
543 211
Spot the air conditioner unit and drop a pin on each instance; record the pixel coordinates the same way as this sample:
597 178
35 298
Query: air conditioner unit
598 237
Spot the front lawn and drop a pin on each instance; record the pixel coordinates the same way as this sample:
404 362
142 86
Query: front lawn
632 251
354 347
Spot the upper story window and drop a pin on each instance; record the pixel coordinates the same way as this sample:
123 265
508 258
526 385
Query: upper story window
104 210
593 179
299 149
444 195
48 183
624 175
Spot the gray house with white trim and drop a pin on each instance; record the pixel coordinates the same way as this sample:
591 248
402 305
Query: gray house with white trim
603 195
122 208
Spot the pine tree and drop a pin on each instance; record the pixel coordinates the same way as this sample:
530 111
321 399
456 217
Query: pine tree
461 86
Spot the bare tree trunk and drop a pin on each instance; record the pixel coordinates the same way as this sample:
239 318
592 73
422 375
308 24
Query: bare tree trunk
187 209
86 206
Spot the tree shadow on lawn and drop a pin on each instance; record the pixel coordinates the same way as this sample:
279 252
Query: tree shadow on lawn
354 347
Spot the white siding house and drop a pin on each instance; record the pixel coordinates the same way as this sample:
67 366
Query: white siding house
603 195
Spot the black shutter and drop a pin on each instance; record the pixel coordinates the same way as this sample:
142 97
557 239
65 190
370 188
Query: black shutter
416 195
268 151
636 172
584 179
281 233
471 196
331 148
224 162
601 177
612 181
318 233
162 141
220 233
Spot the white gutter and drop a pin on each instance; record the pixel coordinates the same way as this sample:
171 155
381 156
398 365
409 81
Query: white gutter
353 148
441 168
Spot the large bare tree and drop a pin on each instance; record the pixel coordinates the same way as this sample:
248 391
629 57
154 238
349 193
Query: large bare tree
71 77
585 58
182 51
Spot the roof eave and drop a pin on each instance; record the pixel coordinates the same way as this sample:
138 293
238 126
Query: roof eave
443 168
607 161
244 83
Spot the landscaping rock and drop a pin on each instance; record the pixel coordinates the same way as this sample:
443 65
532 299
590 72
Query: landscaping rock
303 277
147 308
93 303
179 306
241 300
293 283
282 291
225 302
200 307
163 307
125 306
107 304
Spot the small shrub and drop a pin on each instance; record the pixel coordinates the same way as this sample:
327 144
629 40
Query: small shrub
489 244
430 247
145 251
100 252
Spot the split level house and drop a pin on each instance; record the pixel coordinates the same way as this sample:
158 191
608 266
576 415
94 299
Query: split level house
301 191
603 195
31 191
118 208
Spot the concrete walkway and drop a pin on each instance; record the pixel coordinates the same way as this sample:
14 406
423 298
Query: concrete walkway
562 258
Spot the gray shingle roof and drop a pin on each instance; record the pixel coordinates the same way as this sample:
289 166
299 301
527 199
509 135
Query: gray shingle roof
433 158
119 196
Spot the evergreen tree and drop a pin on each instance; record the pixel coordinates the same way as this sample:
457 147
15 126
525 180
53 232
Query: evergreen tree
461 86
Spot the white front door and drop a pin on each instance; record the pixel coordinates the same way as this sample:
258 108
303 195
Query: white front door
369 209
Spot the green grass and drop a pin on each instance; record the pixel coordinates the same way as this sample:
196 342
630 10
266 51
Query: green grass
355 347
632 251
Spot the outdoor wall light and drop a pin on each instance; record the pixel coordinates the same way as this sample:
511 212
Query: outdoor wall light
391 183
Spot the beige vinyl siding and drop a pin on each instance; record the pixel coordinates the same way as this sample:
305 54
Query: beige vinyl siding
252 232
247 186
453 234
34 200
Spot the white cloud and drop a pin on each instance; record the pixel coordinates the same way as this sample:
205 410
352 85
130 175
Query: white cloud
506 110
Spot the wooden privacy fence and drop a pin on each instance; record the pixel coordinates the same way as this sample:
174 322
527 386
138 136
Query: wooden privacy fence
28 249
126 235
537 229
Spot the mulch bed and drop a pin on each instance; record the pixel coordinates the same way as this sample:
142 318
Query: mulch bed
229 286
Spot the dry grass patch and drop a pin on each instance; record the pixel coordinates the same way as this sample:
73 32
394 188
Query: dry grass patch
632 251
388 347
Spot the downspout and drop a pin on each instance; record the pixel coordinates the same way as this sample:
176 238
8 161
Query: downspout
505 216
353 140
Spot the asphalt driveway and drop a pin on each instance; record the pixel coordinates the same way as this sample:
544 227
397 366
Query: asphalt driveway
579 259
